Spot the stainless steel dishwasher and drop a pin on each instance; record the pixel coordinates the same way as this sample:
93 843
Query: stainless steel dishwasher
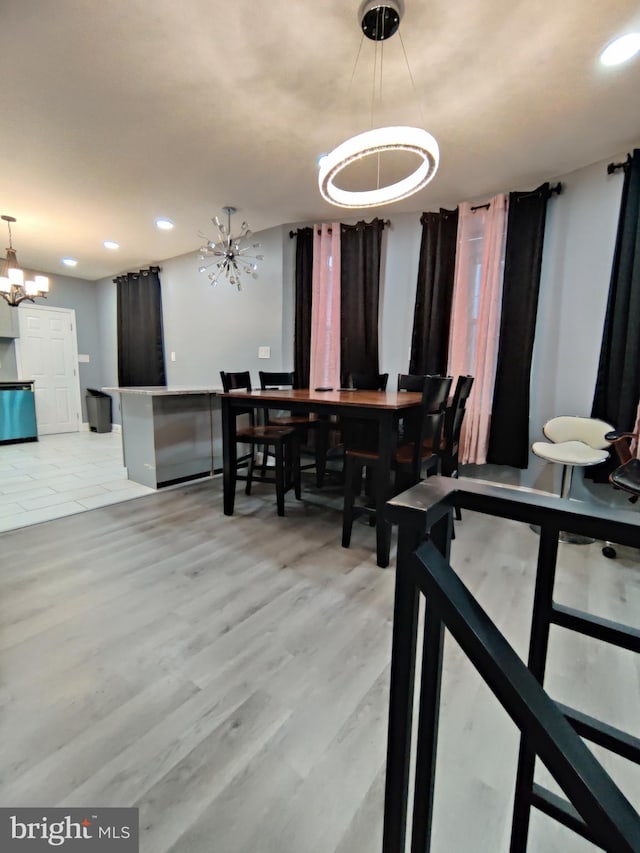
17 412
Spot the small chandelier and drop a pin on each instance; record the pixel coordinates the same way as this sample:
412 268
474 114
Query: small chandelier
13 288
379 20
231 254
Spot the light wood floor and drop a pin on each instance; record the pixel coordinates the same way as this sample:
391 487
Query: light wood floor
229 676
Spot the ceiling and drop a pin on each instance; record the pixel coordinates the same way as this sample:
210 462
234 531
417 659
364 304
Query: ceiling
115 113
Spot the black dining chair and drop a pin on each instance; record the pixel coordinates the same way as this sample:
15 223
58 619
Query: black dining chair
453 419
366 381
351 430
283 439
422 431
284 380
417 458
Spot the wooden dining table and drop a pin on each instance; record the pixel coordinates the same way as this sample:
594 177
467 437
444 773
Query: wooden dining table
383 408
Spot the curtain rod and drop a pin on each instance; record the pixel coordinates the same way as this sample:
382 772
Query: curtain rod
144 271
292 234
613 167
554 190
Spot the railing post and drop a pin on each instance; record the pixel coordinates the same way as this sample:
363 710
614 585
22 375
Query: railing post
538 645
403 664
429 711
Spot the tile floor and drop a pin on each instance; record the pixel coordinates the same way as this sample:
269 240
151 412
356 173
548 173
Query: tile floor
61 475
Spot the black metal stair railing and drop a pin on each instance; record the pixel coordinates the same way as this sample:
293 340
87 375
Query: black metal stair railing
594 807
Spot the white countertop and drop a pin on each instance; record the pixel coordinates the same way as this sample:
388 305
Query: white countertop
164 390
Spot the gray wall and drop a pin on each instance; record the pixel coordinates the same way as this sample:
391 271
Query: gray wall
8 366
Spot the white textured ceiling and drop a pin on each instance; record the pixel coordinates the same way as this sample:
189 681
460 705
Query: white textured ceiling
114 112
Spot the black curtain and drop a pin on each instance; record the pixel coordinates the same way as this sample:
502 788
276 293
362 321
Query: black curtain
303 297
618 382
140 341
360 251
509 434
432 312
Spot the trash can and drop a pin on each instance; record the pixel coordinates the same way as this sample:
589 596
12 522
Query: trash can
98 410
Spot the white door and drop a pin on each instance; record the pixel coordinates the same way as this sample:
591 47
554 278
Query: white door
47 352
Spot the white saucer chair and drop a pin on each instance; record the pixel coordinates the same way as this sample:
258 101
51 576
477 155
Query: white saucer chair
573 442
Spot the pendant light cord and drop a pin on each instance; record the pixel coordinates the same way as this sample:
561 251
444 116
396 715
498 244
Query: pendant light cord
355 64
413 82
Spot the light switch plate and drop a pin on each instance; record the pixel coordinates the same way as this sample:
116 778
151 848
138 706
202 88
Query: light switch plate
173 356
264 352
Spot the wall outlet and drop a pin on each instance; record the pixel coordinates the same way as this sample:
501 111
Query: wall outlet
173 356
264 352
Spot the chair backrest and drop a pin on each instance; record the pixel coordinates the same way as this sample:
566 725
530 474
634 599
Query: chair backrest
435 393
627 478
236 381
367 381
454 415
284 380
411 381
590 431
239 382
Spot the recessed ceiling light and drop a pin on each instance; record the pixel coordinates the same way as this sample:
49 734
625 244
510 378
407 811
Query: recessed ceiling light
621 49
111 244
164 224
70 262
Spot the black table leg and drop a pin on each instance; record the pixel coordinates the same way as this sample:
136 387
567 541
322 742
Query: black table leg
229 455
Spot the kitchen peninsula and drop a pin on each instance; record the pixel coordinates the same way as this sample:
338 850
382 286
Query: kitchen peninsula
170 434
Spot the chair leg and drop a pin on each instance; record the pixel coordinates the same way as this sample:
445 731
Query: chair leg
280 477
265 459
247 488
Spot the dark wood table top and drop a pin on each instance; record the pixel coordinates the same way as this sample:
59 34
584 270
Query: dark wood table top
393 400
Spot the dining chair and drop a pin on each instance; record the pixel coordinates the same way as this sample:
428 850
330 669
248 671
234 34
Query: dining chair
453 419
283 380
354 431
423 455
283 439
414 455
366 381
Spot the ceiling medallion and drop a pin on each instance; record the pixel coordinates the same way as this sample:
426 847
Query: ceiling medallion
230 253
379 21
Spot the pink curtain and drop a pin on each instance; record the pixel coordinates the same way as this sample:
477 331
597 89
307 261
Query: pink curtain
475 316
634 447
324 369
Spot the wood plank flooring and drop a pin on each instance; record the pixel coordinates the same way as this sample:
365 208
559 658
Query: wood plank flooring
229 676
